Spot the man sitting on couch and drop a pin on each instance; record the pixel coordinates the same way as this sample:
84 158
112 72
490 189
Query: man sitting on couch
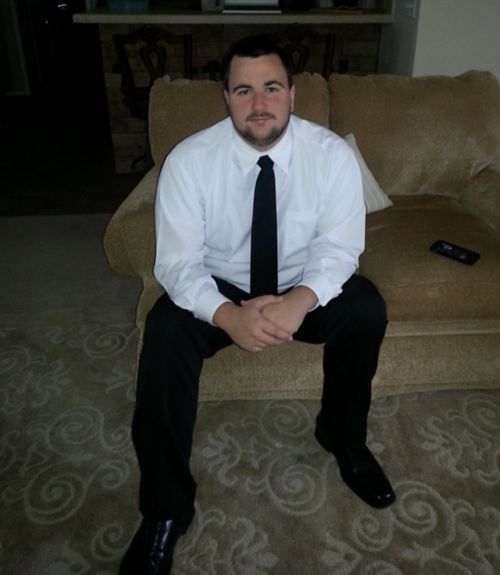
259 225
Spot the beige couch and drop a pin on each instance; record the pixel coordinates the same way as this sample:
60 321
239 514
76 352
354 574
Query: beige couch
433 145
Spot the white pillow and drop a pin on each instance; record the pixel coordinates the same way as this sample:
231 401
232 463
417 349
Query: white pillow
374 196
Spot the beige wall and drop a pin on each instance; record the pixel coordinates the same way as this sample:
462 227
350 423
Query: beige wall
457 35
447 37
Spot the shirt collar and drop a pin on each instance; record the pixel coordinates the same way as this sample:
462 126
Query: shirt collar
246 156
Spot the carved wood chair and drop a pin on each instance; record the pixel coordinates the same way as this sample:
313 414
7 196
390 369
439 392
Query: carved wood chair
146 54
297 45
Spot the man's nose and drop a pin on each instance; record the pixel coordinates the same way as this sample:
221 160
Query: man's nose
259 101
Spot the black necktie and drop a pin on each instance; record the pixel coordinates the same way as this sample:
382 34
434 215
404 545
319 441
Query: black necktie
264 245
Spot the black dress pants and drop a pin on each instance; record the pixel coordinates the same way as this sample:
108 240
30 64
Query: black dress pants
175 344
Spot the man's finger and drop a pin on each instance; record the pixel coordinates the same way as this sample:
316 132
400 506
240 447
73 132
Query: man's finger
261 301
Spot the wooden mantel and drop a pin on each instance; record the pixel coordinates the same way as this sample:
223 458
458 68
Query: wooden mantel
183 17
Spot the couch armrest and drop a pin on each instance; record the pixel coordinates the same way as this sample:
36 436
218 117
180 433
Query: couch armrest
482 197
129 239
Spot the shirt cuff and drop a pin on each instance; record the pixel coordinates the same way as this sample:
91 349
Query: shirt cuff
207 304
323 289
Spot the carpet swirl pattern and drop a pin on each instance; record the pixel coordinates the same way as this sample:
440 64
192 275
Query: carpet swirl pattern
270 500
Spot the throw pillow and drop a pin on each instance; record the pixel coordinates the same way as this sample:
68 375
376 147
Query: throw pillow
375 198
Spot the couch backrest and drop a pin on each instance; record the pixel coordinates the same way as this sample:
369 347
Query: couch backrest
180 108
420 135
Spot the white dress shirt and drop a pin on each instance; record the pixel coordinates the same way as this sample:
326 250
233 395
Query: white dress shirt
204 204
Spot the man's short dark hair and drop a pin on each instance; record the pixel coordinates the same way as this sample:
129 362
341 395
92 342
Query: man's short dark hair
254 47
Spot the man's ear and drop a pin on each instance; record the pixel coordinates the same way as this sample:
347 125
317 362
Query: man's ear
292 98
226 97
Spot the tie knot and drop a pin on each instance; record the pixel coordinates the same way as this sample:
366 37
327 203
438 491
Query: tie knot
265 163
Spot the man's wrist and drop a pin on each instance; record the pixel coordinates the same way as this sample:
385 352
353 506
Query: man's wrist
304 297
223 314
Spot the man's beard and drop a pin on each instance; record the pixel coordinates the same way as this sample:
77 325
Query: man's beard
266 141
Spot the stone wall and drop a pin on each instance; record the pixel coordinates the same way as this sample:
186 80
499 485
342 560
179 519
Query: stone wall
356 52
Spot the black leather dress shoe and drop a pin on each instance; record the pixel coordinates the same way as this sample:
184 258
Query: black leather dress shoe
151 550
360 471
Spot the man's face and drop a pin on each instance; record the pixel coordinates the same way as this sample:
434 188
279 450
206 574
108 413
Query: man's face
259 99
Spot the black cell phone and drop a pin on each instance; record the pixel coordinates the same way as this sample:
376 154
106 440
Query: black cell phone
457 253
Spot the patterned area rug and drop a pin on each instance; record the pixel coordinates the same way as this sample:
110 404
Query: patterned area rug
270 500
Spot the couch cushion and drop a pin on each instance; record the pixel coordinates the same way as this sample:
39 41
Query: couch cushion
420 285
420 135
182 107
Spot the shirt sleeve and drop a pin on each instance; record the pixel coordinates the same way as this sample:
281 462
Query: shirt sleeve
340 234
180 240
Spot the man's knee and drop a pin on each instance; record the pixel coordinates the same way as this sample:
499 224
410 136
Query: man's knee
368 304
177 330
359 308
166 321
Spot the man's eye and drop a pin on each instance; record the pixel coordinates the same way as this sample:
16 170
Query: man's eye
243 92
